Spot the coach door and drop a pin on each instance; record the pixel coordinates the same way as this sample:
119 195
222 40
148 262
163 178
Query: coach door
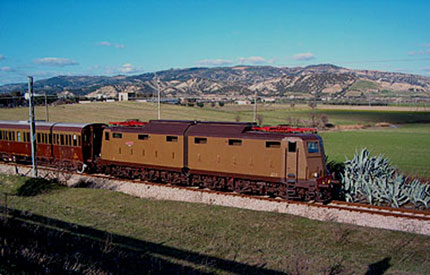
291 160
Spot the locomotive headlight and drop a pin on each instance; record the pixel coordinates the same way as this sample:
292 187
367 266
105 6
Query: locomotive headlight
316 174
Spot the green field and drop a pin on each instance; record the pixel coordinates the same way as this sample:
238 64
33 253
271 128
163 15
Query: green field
408 145
204 237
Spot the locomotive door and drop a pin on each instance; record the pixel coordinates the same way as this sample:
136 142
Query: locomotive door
291 160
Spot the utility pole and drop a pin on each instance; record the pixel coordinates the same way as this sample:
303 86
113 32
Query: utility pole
255 105
46 108
158 92
32 126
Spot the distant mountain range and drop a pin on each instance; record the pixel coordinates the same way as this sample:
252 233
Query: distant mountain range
321 80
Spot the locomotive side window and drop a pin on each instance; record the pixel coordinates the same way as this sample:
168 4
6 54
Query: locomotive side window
273 144
200 140
117 135
171 138
106 135
142 137
292 146
313 147
235 142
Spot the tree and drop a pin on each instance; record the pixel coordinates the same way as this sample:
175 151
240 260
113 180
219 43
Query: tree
238 118
221 103
260 119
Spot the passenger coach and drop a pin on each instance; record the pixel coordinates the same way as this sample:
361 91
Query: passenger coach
69 145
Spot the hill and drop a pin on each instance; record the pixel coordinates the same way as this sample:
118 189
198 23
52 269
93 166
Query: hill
321 80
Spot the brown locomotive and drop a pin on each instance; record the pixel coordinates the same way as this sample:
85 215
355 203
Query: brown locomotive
217 155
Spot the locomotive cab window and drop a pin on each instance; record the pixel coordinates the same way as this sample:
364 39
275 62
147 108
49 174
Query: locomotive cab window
273 144
117 135
292 146
142 137
198 140
235 142
313 147
171 138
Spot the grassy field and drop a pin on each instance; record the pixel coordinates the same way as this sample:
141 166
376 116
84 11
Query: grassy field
407 145
207 237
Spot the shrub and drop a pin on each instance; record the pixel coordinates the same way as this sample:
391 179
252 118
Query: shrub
35 186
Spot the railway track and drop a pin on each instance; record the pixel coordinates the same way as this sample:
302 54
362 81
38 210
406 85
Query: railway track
340 211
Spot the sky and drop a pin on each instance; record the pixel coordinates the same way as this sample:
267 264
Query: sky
50 38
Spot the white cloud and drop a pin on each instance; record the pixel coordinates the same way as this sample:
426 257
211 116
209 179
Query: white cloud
1 57
255 60
110 44
304 56
420 52
55 61
6 69
126 68
215 62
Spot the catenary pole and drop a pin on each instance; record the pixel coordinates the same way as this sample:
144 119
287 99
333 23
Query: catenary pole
46 108
158 91
32 126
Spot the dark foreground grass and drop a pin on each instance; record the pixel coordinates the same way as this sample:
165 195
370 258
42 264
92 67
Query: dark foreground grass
228 240
408 147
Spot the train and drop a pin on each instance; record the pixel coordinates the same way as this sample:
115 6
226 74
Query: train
225 156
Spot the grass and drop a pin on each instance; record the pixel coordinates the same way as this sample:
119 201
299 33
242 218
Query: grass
275 241
407 146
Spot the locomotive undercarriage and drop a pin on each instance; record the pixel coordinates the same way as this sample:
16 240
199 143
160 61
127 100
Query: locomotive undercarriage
61 165
294 191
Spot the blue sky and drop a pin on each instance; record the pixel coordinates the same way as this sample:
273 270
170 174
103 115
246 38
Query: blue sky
48 38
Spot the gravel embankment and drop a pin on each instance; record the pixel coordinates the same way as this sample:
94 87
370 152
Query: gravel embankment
161 192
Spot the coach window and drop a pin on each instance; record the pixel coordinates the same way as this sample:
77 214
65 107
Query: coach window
117 135
28 136
171 138
18 136
106 135
1 135
50 138
79 140
235 142
142 137
13 136
75 140
292 146
273 144
198 140
61 139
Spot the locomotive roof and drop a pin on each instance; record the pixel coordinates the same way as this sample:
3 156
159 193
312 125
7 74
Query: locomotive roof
43 125
208 128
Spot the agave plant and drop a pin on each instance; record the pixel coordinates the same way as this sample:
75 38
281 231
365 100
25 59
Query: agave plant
419 193
374 180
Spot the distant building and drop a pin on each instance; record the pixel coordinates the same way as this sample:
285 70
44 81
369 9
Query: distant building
126 96
243 102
